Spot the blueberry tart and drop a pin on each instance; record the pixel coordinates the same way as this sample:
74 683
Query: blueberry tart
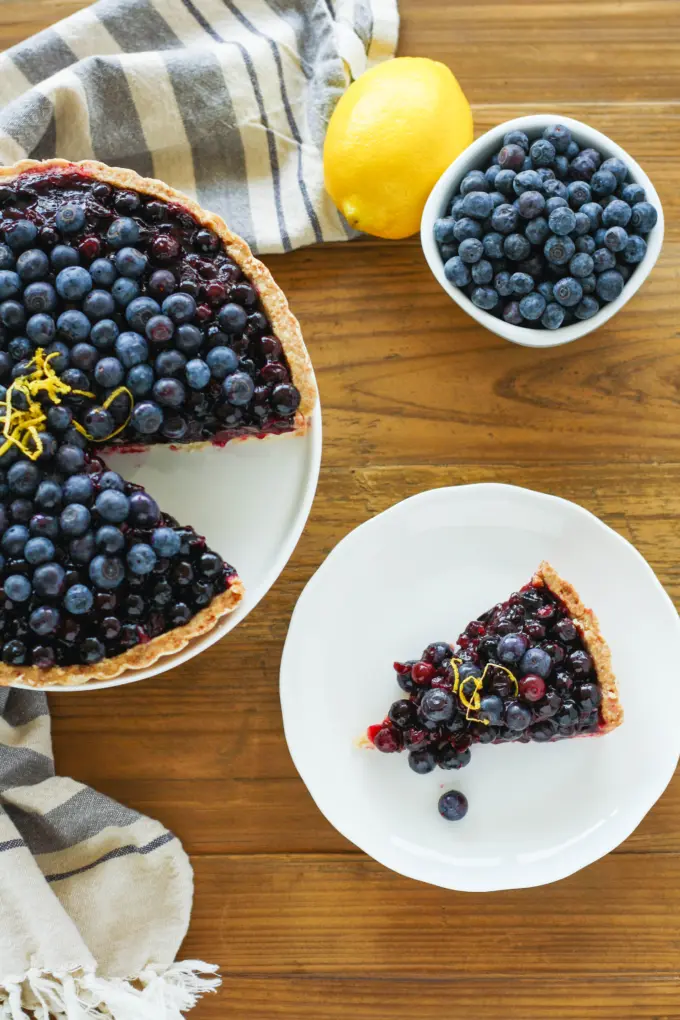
533 668
129 317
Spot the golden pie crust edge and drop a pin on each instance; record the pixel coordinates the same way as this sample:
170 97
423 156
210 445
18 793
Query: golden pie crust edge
284 323
139 657
588 624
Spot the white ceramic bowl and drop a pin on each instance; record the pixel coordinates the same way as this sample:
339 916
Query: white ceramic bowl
476 157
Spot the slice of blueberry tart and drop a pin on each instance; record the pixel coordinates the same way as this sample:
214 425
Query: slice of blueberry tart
533 668
129 317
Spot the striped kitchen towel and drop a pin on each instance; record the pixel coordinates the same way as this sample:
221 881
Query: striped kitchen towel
94 898
226 100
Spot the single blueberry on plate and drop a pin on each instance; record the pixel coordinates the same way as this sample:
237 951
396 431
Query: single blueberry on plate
453 806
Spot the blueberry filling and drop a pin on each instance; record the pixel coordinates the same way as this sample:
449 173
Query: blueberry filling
128 291
519 672
89 564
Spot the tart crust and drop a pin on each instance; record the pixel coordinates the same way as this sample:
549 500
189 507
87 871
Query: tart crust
139 657
284 323
588 624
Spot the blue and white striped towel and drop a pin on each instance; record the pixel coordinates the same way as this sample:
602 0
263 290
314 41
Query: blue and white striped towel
226 100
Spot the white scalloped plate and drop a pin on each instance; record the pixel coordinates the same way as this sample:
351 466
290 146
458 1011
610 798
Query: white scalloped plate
418 573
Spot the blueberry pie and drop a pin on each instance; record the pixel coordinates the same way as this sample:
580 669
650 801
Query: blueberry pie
534 667
129 316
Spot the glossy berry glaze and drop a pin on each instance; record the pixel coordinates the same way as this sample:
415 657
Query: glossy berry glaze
152 303
523 674
89 565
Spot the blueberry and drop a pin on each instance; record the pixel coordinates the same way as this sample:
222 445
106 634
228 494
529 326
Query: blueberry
109 372
598 237
84 357
238 389
466 227
531 204
635 250
554 189
511 157
140 310
581 265
512 314
518 717
122 232
159 329
616 214
443 230
170 363
491 173
542 152
582 168
70 459
73 283
559 136
532 306
516 138
169 392
78 600
107 572
12 314
603 182
130 262
74 325
527 180
456 207
609 285
99 304
644 217
21 348
562 221
505 219
474 181
179 307
616 239
546 174
437 705
568 291
98 423
49 495
113 506
617 167
504 182
131 349
14 540
188 339
483 297
74 520
502 284
587 307
109 539
493 245
536 660
482 272
124 291
585 244
17 588
491 709
41 329
559 250
453 806
537 230
165 542
103 272
103 334
48 579
141 558
512 647
589 283
553 316
555 203
516 247
198 374
455 271
603 259
471 250
632 194
23 478
139 380
578 194
78 489
144 512
44 620
147 417
476 204
20 234
8 260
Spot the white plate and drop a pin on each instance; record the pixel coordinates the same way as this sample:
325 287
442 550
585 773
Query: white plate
251 500
418 573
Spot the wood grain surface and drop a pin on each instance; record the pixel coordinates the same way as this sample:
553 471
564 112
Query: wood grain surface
415 395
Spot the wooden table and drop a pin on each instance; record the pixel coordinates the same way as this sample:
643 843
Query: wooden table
415 395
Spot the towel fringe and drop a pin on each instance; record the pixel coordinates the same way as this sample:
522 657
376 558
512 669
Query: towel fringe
157 993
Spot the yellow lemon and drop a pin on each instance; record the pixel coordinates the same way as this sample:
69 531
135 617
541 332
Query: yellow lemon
391 136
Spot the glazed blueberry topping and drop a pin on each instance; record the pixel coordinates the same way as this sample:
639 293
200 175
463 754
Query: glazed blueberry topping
539 202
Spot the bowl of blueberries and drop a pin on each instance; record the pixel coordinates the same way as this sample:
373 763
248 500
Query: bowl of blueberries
542 229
